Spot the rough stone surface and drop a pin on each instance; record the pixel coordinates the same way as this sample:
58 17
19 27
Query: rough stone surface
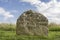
32 23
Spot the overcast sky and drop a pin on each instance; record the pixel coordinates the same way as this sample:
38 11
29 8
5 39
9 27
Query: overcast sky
10 10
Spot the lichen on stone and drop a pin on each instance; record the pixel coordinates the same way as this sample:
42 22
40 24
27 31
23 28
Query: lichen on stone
32 23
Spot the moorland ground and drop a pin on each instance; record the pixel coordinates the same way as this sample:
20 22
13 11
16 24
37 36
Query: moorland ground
8 32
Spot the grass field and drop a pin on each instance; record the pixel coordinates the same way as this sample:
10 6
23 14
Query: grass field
7 32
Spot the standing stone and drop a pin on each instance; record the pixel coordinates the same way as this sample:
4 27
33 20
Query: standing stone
32 23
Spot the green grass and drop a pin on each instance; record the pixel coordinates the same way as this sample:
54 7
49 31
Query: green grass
7 27
8 32
11 35
54 28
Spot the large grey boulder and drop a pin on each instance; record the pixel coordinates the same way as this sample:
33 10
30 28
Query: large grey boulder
32 23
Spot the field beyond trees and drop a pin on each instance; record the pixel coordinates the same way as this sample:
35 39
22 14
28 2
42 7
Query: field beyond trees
8 32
